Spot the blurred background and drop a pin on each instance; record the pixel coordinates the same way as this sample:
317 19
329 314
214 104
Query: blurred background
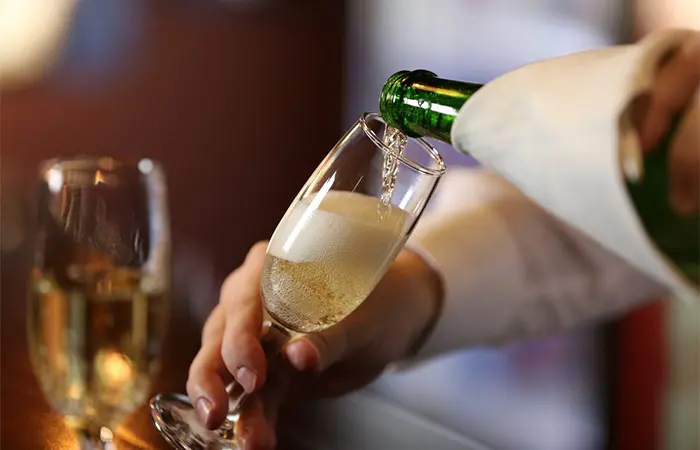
240 100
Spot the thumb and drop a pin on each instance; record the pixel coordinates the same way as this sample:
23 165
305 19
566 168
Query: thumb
317 352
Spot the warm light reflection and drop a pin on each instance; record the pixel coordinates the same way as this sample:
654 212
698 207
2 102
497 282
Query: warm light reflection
31 32
99 178
117 368
75 392
61 437
106 435
125 434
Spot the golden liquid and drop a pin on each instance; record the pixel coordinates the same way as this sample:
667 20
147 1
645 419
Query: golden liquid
95 345
326 258
308 296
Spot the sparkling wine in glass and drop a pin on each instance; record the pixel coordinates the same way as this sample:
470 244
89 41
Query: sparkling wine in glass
99 286
331 248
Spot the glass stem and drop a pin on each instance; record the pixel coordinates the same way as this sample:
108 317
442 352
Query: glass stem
273 338
96 438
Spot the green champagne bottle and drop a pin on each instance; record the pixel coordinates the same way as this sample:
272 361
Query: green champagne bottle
420 104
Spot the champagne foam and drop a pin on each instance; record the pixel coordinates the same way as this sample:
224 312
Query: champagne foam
339 225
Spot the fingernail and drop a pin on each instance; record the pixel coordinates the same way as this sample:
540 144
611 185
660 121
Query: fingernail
302 359
247 378
295 354
203 407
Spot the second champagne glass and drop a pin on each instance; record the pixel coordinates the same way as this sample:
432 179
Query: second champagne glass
331 248
100 283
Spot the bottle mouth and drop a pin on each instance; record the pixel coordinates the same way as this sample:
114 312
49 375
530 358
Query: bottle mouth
439 164
392 93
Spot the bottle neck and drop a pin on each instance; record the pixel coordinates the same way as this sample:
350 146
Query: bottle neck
422 105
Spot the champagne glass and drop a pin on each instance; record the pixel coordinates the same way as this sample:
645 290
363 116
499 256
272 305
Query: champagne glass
333 245
99 287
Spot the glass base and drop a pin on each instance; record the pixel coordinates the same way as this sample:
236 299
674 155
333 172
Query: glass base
176 419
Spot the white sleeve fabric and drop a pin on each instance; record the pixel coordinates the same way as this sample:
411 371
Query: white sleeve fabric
561 131
511 270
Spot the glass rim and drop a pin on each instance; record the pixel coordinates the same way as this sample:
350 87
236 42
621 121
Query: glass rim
432 151
107 163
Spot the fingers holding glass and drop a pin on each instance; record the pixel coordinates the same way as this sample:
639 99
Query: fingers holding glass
329 251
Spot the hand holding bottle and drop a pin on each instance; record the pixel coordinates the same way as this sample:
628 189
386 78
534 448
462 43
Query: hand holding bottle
677 90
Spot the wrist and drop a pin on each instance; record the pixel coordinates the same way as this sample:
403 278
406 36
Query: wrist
423 289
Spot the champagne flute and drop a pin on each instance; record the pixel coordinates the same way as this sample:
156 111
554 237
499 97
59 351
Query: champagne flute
333 245
99 287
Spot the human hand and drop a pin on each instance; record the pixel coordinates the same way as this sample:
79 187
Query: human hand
338 360
677 89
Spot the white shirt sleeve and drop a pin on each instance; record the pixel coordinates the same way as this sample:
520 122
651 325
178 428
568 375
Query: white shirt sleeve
561 131
511 270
